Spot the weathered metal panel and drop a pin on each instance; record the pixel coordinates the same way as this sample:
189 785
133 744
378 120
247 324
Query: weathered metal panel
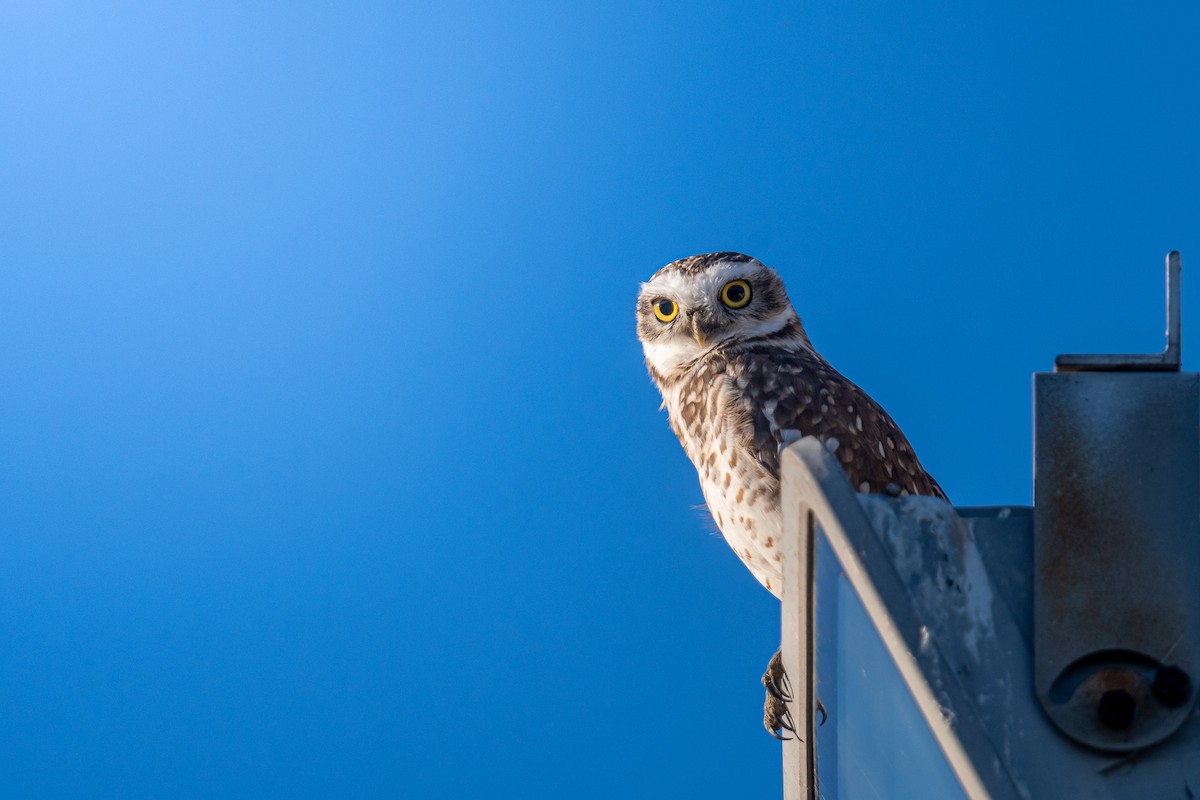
818 491
1116 553
951 593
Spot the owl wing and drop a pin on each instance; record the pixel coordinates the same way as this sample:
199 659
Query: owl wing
797 393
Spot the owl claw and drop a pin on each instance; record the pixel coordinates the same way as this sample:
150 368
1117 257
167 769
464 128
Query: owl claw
775 722
776 681
778 687
776 714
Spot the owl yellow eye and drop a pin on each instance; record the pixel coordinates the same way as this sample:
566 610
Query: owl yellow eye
736 294
665 310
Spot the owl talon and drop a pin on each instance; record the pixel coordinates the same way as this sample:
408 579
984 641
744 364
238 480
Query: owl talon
776 681
776 714
821 710
776 718
778 686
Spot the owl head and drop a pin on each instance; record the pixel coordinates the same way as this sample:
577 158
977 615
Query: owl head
703 302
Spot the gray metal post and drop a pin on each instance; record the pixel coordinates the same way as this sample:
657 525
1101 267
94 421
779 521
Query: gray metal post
1043 652
1117 542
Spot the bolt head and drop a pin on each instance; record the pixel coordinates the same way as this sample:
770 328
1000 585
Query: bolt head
1116 709
1171 686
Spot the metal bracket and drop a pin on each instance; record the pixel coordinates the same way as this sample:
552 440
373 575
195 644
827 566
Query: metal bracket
1116 542
1170 360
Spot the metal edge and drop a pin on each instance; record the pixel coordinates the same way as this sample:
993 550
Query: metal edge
797 644
1174 309
813 483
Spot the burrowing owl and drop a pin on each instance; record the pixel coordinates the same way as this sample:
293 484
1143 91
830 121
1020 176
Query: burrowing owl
739 379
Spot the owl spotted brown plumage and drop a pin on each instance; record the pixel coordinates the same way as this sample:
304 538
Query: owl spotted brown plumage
740 379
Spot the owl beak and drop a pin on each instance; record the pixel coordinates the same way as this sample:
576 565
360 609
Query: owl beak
698 331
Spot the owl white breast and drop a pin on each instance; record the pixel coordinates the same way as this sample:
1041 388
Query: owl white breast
739 378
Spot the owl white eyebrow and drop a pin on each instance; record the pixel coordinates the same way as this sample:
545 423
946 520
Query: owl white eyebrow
704 285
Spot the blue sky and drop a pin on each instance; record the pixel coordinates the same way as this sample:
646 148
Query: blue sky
328 463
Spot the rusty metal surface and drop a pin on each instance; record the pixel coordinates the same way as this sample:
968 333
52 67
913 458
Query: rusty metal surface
1116 552
1170 360
916 563
967 572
